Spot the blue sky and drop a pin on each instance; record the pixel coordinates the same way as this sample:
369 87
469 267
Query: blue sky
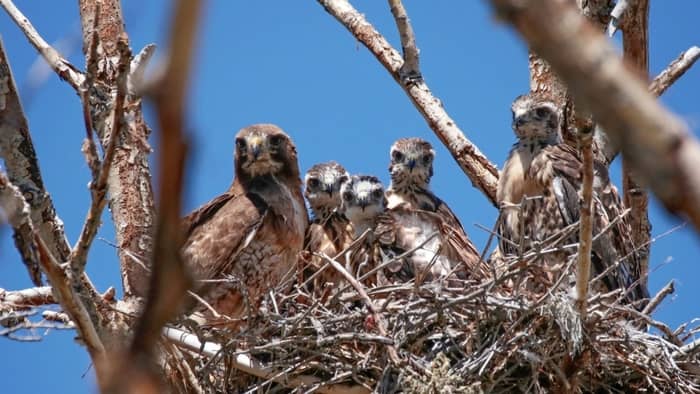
292 64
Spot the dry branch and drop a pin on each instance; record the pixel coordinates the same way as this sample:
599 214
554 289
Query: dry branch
17 150
98 188
674 71
169 281
35 296
657 144
411 66
60 280
61 66
129 180
479 169
635 43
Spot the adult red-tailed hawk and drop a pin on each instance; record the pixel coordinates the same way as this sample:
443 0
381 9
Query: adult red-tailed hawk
411 167
419 234
241 243
538 195
329 232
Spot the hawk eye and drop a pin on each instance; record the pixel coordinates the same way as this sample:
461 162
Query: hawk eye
276 140
347 196
240 144
541 112
314 183
397 156
377 193
427 159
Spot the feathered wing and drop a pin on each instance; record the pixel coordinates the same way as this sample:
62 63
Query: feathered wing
403 229
217 232
614 245
462 247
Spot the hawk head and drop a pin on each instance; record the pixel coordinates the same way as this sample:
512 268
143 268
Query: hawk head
363 200
323 187
264 149
411 162
535 118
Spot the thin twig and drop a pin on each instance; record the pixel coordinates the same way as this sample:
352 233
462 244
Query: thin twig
61 66
35 296
658 298
379 321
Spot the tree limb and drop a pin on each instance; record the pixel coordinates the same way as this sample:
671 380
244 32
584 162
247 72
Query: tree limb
98 188
17 210
635 43
482 173
34 296
657 144
674 71
411 66
61 66
129 179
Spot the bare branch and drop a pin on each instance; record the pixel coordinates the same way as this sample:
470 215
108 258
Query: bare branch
410 70
35 296
674 71
98 189
169 279
583 273
482 173
659 297
129 187
17 213
61 66
657 144
635 42
64 292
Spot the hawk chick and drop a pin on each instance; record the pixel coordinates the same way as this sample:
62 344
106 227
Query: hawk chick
329 232
539 185
411 167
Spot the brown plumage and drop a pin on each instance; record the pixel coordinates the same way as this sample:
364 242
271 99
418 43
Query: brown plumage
329 232
409 195
241 243
543 175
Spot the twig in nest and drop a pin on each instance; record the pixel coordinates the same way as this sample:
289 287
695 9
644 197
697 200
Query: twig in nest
381 324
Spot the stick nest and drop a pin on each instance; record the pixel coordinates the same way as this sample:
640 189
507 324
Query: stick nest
457 337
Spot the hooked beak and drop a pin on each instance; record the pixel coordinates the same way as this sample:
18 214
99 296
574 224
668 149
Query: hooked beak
255 145
328 189
411 164
518 121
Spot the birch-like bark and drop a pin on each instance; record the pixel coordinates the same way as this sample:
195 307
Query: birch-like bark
129 182
482 173
656 143
635 43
